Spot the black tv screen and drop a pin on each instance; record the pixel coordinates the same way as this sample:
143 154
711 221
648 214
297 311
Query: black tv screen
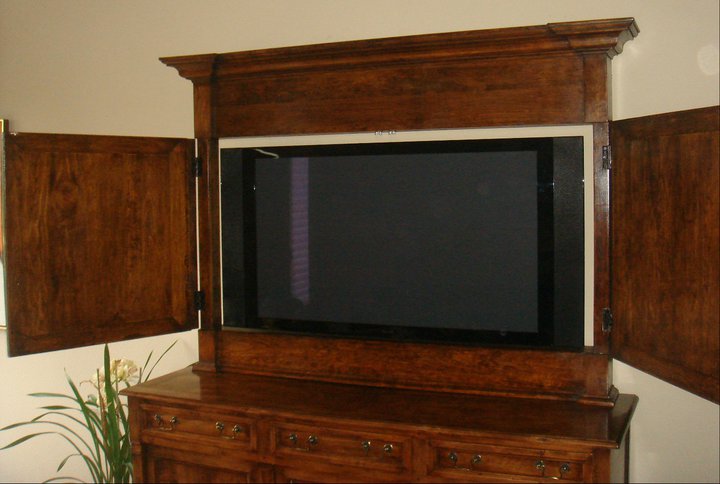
458 241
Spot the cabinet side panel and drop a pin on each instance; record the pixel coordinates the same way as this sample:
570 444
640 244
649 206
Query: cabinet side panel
666 247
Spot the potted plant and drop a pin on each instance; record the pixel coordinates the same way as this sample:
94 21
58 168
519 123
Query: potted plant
95 426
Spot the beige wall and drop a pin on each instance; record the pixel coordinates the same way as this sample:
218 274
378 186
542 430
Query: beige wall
91 67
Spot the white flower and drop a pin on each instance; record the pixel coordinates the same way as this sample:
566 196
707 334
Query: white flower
123 370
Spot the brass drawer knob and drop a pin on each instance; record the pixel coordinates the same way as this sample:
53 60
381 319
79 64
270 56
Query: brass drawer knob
388 449
564 469
220 427
366 444
474 460
311 441
160 423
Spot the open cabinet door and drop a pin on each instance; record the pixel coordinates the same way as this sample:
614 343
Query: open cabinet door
99 239
665 220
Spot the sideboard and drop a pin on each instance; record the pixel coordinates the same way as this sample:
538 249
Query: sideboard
211 427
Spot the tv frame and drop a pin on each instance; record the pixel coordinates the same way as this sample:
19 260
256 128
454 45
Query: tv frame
564 331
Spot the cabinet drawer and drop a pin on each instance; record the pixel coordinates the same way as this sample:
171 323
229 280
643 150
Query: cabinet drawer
340 446
464 461
225 429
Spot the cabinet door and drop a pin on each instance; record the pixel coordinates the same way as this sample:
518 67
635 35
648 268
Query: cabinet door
665 222
169 465
99 239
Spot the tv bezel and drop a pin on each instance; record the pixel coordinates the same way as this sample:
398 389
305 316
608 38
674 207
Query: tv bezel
565 334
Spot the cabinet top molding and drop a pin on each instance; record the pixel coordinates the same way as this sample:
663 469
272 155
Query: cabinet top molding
583 37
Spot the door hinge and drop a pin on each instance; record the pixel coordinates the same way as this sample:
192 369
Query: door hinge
607 320
606 157
199 299
197 167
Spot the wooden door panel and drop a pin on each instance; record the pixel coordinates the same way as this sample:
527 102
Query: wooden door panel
99 236
665 247
169 466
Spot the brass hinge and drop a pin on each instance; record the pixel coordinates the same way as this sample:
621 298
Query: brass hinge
606 157
197 167
607 320
199 300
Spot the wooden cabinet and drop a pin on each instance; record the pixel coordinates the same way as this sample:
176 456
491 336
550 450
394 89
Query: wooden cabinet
349 433
263 406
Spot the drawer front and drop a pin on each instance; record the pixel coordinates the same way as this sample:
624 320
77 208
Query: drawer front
342 447
463 460
224 429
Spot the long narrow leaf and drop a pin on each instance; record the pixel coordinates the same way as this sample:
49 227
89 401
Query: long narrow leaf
90 418
54 395
97 476
95 470
24 439
64 427
64 461
109 421
84 424
147 377
76 420
57 407
142 368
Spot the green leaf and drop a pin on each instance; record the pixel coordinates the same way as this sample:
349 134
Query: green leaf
56 395
93 424
63 478
64 461
57 407
16 425
147 377
24 439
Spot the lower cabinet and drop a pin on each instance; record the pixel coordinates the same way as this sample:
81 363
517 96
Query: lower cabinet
163 464
270 435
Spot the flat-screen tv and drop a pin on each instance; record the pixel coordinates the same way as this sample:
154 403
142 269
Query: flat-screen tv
468 242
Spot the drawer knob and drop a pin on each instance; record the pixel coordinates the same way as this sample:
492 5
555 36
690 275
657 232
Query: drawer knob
564 469
474 460
220 427
312 441
160 423
388 449
366 444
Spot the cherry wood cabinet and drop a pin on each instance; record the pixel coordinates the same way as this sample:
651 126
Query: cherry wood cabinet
200 426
